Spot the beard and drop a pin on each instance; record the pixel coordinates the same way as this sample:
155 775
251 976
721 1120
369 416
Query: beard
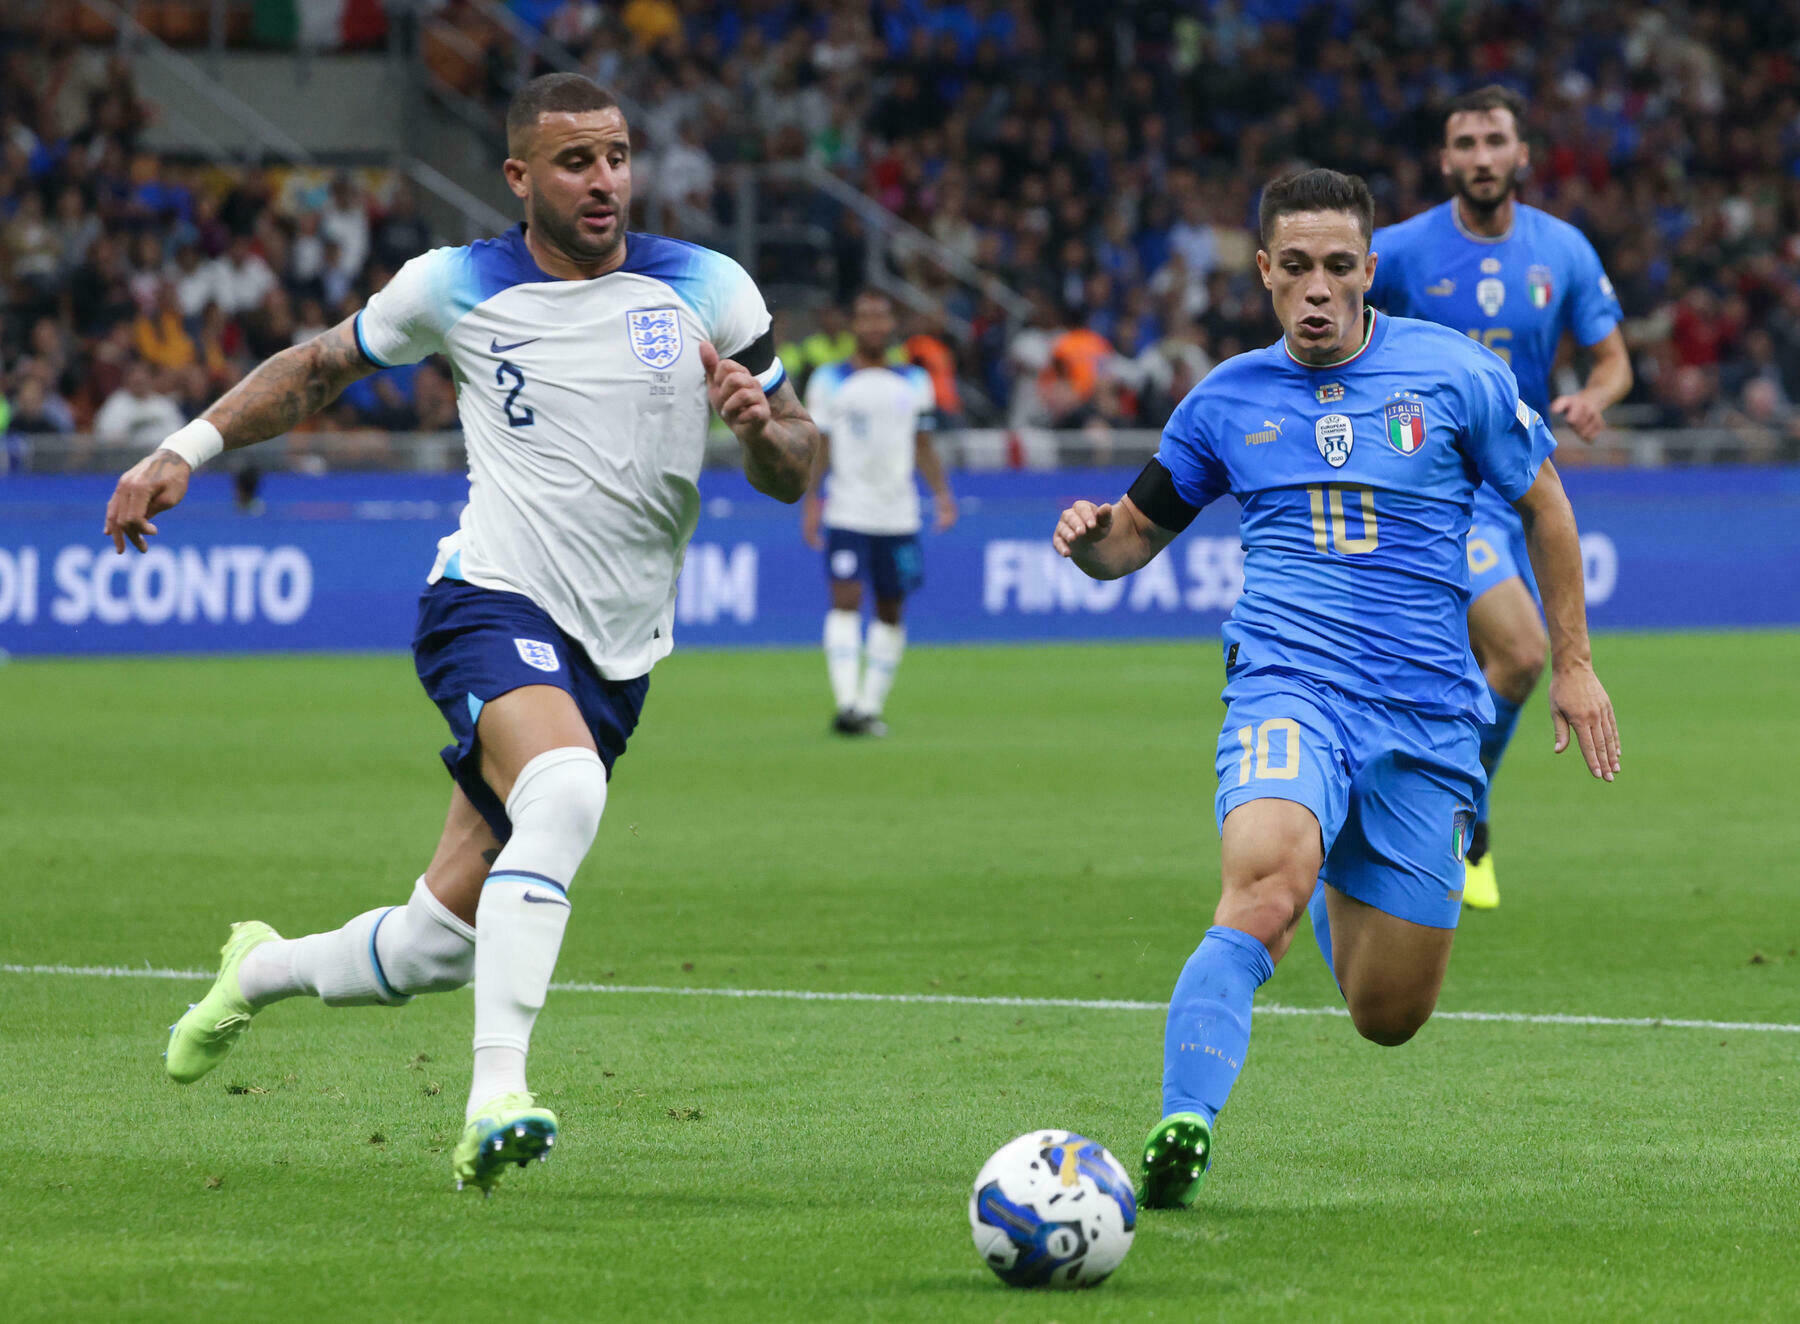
1509 183
565 234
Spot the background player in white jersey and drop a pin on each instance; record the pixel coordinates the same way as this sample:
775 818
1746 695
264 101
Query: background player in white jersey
586 359
876 418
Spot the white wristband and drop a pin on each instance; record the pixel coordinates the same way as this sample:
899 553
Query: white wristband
196 443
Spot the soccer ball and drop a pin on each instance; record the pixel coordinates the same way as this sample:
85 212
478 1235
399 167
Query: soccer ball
1052 1209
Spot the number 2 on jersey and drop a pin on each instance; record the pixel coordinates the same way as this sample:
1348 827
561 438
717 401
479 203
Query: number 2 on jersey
518 415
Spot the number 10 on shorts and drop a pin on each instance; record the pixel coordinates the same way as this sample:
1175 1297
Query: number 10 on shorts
1256 742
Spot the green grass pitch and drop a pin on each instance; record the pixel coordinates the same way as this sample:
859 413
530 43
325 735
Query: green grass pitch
1040 825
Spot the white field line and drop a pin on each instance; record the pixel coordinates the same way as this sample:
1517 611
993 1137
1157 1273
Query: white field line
968 1000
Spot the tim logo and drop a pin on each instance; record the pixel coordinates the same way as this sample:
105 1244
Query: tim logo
655 335
537 653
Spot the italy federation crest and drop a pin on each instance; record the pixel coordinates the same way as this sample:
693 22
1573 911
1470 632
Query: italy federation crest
655 335
1539 287
537 653
1335 437
1406 422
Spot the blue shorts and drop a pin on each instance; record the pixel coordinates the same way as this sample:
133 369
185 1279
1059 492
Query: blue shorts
1497 546
474 644
892 562
1394 790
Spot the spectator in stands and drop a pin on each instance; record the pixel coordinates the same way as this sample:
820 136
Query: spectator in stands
402 233
35 411
135 413
239 277
159 335
345 222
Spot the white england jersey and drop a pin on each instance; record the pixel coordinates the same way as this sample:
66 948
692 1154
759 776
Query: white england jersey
584 410
873 417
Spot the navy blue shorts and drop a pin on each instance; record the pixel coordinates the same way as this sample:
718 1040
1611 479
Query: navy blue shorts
474 644
892 562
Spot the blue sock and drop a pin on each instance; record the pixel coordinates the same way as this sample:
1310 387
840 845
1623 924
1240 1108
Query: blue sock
1208 1031
1320 915
1495 737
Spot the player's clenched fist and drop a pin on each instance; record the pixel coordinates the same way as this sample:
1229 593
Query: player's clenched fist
152 485
734 392
1082 522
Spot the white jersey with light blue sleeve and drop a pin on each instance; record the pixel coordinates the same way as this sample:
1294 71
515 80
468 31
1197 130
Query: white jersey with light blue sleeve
872 418
584 409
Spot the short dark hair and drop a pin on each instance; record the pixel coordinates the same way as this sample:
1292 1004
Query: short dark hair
1489 98
1316 190
875 292
551 94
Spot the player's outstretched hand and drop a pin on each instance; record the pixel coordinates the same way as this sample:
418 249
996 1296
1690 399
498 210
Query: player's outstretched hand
1578 703
1583 415
734 393
1082 522
151 486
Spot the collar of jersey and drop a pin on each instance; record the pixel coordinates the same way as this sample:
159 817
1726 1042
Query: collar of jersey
1463 230
1368 339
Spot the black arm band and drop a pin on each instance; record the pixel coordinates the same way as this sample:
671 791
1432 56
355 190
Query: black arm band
1153 492
759 354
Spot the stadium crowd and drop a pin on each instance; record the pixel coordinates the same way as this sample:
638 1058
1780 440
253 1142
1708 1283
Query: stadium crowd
1104 163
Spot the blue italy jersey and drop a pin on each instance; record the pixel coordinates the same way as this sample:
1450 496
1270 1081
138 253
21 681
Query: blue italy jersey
1356 482
1516 294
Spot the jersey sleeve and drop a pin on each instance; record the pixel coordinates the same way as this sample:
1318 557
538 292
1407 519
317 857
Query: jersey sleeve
820 388
1504 437
1593 306
739 323
925 396
1187 452
404 320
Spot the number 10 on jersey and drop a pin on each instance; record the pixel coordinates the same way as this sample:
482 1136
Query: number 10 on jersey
1337 533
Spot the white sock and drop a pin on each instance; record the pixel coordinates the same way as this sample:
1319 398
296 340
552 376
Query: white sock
383 956
843 654
555 808
886 645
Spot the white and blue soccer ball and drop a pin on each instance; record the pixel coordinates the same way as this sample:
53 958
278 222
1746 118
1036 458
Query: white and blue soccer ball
1052 1209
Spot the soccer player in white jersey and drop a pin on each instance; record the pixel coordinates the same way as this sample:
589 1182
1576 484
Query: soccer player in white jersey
875 417
586 359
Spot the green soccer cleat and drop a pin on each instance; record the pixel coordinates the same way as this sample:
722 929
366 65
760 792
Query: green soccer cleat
202 1038
1176 1157
507 1129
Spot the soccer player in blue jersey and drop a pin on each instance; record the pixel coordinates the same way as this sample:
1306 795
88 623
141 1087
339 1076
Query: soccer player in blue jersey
1517 279
1349 764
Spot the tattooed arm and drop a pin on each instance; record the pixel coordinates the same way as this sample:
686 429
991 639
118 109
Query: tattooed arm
776 432
278 394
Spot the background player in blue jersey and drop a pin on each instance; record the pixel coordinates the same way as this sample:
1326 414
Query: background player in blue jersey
1516 279
1349 761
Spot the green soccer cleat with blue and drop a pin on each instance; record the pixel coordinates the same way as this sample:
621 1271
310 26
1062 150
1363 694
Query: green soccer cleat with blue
1176 1157
507 1129
202 1038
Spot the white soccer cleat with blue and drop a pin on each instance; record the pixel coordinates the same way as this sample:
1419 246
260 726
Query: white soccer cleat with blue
202 1038
507 1129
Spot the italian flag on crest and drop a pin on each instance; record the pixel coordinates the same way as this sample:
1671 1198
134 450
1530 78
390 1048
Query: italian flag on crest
1406 423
